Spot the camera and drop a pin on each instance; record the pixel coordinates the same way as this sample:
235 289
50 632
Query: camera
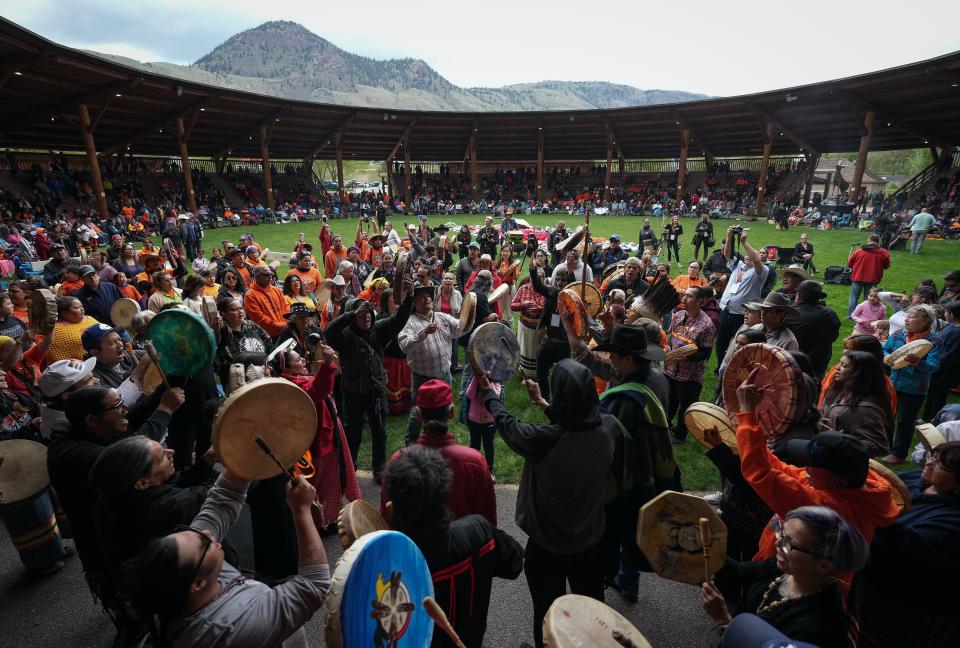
737 230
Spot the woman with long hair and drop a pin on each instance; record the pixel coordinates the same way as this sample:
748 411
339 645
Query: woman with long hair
856 402
797 591
128 262
164 292
193 293
333 476
233 286
294 294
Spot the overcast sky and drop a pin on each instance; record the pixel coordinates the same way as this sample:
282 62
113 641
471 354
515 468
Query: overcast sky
723 47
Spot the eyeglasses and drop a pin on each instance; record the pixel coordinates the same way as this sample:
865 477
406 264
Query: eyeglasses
934 458
785 544
205 540
120 404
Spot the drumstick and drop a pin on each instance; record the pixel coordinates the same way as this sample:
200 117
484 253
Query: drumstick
440 618
152 352
706 542
267 450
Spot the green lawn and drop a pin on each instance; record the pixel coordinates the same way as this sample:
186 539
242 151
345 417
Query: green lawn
832 248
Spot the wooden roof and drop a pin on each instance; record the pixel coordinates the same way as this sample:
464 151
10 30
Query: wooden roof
41 84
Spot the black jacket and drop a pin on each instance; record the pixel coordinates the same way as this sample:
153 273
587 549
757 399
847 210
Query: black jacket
70 457
361 354
463 563
550 295
816 328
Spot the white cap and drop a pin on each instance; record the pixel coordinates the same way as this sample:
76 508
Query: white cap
64 374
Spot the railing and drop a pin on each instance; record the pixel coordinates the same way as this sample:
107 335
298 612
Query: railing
920 179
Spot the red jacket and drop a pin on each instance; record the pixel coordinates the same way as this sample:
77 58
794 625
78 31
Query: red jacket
472 489
784 487
868 263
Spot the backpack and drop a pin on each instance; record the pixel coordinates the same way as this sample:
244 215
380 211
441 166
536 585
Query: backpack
839 275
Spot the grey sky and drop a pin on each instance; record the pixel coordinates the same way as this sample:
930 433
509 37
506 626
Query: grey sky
718 47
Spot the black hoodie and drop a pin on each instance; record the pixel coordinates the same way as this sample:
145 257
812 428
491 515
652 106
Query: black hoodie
559 503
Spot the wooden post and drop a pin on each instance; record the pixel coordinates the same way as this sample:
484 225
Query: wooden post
764 163
606 173
389 164
407 195
856 188
185 163
474 180
620 163
813 161
93 160
540 163
265 160
338 146
682 170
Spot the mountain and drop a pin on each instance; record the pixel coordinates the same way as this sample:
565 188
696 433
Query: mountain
285 59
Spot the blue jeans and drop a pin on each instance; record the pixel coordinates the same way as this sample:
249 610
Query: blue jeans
917 243
858 289
413 425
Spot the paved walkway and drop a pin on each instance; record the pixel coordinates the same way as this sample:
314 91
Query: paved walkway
57 610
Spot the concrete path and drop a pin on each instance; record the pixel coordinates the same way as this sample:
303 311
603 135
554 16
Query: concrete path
57 610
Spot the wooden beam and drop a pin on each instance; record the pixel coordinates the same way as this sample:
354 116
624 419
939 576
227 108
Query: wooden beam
869 123
855 108
682 122
474 179
132 137
102 111
682 167
92 96
327 139
407 197
93 160
813 161
765 118
406 131
887 115
540 162
185 163
254 130
265 161
764 163
606 173
339 152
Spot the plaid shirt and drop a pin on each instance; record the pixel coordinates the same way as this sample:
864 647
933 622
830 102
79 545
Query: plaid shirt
431 355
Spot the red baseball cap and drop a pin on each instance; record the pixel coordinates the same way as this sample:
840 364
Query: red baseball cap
434 394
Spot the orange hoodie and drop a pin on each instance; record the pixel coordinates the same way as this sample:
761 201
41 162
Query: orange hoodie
784 487
266 306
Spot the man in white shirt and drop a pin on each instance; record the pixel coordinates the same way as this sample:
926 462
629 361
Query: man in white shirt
574 266
426 339
746 281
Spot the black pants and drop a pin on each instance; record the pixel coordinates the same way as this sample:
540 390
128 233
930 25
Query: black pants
674 247
551 352
483 433
274 537
705 244
683 394
361 408
729 323
940 385
548 574
908 409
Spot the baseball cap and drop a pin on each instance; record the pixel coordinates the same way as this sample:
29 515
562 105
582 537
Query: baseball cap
474 245
64 374
87 269
839 453
434 394
615 237
91 337
57 246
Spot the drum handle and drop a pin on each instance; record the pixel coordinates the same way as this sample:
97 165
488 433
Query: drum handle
706 542
267 450
440 618
152 352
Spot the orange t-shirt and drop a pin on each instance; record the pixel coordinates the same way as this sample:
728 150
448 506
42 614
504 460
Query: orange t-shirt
310 279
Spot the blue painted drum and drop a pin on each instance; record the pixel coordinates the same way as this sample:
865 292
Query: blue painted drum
376 598
184 341
494 349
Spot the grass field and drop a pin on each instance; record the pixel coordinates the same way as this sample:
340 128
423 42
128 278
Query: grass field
832 248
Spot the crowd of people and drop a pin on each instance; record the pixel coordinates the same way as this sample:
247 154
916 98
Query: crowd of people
814 532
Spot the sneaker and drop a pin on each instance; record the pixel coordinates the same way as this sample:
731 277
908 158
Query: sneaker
628 595
892 460
713 499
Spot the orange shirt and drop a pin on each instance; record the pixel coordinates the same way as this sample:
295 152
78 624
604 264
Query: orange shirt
310 279
130 291
70 287
266 307
331 260
683 282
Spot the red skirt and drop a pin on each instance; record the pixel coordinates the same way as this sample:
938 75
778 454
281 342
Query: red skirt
333 486
398 384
